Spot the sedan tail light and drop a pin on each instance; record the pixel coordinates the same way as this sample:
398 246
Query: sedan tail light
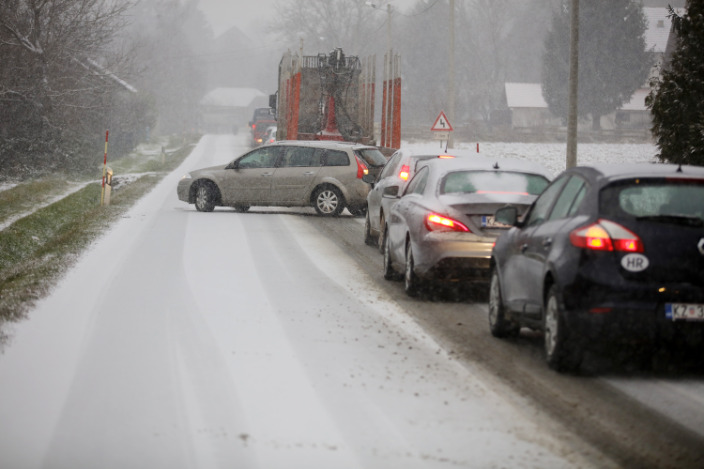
435 222
606 235
405 172
362 169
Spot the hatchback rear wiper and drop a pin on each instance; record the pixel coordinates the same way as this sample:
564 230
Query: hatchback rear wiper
677 219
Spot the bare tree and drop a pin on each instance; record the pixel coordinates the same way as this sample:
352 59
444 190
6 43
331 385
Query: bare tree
57 74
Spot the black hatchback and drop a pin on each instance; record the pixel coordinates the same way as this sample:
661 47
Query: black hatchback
605 253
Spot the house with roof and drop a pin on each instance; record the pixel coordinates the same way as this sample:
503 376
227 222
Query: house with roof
529 110
225 110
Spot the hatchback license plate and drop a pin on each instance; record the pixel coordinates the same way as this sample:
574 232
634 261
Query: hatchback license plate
684 312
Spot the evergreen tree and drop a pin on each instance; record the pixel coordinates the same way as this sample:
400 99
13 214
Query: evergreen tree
676 101
613 61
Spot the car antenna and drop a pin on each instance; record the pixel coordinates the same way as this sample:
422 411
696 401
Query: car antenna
496 165
679 168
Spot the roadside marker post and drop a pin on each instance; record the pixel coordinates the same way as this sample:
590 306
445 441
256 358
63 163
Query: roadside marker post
105 165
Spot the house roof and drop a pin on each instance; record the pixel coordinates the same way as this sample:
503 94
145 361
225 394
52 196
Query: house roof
525 95
659 25
231 97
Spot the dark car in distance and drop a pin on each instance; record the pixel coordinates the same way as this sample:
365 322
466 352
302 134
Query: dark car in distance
606 253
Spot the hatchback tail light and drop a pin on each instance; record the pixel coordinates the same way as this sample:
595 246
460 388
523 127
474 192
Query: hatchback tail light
362 169
436 222
405 172
606 235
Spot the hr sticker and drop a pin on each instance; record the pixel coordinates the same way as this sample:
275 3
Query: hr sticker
635 262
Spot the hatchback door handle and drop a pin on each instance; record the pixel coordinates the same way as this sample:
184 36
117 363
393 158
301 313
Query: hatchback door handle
547 242
524 248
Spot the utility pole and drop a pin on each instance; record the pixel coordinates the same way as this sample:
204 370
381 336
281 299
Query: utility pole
451 75
573 87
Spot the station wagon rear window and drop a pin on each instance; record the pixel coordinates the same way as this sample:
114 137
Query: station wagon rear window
372 157
493 182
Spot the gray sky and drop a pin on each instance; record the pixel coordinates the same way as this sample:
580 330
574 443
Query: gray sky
248 15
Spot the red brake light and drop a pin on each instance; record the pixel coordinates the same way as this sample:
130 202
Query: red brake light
405 172
362 169
435 222
254 126
606 235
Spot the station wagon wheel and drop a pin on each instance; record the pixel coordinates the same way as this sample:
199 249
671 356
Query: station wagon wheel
369 239
328 201
412 283
561 353
389 272
205 197
498 324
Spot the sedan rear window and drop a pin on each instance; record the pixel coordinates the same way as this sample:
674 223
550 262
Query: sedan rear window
372 157
493 182
654 198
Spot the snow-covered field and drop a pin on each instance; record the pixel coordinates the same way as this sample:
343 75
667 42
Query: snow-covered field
553 155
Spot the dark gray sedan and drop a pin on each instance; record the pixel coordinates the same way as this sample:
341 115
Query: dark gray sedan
442 228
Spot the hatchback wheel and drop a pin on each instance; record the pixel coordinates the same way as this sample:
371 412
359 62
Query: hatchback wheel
561 353
369 239
411 280
205 198
328 201
498 324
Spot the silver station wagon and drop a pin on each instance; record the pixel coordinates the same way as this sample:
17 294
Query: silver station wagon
325 175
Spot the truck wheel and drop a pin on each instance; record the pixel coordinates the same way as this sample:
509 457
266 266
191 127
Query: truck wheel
205 197
562 352
328 201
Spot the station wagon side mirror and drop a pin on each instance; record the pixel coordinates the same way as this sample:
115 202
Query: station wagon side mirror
391 192
507 215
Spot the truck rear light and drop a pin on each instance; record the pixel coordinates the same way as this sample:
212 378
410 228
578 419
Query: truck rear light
362 169
436 222
405 172
606 235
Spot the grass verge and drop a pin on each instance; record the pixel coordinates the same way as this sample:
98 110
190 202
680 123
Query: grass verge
37 249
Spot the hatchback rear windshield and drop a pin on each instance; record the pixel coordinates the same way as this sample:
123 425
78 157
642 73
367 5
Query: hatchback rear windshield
654 197
493 182
372 157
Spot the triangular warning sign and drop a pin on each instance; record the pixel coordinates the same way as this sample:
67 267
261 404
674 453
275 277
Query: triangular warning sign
441 123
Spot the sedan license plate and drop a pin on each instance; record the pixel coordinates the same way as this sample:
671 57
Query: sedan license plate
684 312
488 221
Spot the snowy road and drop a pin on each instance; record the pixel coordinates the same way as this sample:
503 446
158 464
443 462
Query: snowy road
192 340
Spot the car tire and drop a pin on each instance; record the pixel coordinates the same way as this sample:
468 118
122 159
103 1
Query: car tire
412 284
382 233
241 208
328 201
389 271
498 324
561 352
369 238
205 197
